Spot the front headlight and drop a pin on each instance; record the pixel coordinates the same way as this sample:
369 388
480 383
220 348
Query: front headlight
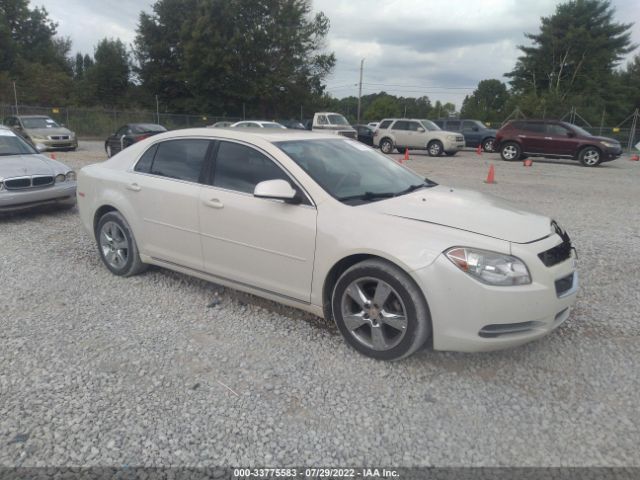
609 144
492 268
71 176
61 177
451 138
37 137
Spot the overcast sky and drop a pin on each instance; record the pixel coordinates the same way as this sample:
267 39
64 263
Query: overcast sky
439 48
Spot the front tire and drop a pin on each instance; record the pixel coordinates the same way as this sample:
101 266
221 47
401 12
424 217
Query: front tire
590 157
510 151
380 311
487 144
435 148
117 246
107 149
386 146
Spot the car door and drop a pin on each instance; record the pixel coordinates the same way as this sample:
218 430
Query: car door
558 140
264 243
532 137
471 132
165 193
401 132
417 136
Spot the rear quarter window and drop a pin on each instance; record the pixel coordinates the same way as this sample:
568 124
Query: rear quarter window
385 124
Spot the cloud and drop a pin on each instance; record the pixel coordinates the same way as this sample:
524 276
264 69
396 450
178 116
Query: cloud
411 47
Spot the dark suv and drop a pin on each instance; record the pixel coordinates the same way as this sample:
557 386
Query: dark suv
554 139
474 131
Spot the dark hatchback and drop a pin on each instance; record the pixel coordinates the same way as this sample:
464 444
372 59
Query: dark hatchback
129 134
520 139
365 134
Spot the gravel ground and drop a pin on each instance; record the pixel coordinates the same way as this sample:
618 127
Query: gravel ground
101 370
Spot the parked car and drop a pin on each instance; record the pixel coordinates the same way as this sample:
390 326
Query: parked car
403 133
474 131
29 179
333 227
42 130
365 134
257 124
129 134
519 139
222 124
294 124
373 125
331 122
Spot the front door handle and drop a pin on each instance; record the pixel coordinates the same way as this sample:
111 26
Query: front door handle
134 187
213 203
548 138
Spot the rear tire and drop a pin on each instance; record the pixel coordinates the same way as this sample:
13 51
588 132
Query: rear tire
510 151
386 146
117 246
380 311
435 148
590 157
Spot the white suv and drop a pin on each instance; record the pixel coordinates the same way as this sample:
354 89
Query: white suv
402 133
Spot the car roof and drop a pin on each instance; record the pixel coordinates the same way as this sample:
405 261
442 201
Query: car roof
252 134
32 116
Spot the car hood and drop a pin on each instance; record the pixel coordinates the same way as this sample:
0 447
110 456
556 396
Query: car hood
605 139
470 211
44 132
21 165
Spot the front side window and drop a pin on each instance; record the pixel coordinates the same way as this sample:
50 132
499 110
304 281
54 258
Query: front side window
414 126
351 172
469 125
556 130
241 168
180 159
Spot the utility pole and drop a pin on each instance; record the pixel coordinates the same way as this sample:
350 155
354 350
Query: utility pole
360 88
15 97
157 109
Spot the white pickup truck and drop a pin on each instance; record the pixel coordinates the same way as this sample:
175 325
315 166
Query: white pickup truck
329 122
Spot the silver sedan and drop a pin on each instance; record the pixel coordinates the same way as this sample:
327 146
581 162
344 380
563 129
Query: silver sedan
29 179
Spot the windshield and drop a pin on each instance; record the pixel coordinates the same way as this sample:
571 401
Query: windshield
147 127
11 144
39 122
429 125
351 172
272 125
335 119
581 131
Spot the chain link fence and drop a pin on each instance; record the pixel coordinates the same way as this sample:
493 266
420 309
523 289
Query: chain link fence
92 123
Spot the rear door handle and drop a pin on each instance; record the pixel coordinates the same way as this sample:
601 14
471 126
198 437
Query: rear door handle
548 138
214 203
134 187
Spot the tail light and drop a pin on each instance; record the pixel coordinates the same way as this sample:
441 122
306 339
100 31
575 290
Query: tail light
142 137
375 133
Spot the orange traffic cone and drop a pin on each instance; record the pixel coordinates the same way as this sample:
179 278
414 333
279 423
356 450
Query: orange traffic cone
479 149
528 162
406 154
635 158
53 155
491 175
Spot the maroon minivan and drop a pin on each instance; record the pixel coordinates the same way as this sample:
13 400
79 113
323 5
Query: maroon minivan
519 139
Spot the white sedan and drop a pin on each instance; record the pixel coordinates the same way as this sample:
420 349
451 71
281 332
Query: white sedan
257 124
333 227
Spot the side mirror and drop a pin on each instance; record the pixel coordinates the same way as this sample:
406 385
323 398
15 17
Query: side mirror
421 130
40 147
276 190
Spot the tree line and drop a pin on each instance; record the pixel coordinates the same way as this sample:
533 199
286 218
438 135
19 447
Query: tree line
267 58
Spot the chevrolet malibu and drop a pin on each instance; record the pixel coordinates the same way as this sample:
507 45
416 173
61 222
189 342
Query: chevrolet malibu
333 227
29 179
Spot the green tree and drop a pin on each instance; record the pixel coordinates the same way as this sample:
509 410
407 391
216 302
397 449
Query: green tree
487 102
267 54
571 60
107 80
382 107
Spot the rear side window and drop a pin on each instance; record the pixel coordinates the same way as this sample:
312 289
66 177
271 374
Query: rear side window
384 125
534 127
241 168
144 164
401 125
180 159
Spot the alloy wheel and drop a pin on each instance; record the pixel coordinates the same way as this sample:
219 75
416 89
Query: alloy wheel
114 245
509 152
591 157
374 313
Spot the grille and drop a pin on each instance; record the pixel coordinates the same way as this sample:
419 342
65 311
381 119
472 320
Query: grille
564 284
459 138
495 330
19 183
348 134
59 137
559 253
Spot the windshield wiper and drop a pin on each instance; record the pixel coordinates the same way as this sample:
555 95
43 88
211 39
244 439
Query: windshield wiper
426 184
368 196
